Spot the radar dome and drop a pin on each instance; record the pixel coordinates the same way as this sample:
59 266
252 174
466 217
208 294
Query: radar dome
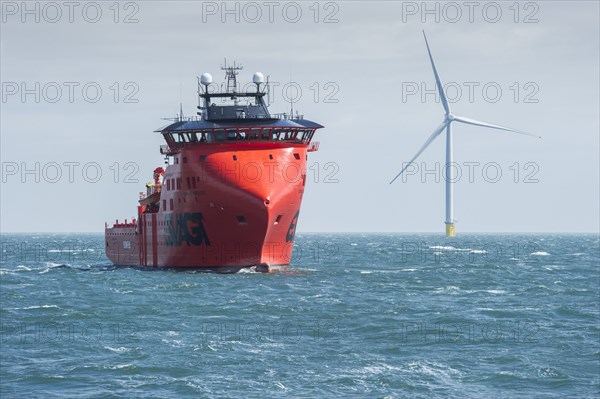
258 78
206 79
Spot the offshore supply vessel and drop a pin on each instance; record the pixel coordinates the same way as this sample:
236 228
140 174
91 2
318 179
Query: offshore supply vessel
230 194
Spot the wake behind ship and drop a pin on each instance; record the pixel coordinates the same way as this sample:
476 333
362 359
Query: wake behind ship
231 191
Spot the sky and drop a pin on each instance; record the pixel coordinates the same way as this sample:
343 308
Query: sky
85 84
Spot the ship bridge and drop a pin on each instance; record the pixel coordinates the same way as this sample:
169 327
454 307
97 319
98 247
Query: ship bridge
182 134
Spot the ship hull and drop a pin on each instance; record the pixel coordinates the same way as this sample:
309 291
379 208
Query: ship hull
221 207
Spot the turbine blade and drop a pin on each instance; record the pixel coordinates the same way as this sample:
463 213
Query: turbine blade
438 82
429 140
475 122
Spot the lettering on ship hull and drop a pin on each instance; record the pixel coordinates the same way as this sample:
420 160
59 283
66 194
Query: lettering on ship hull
292 229
185 227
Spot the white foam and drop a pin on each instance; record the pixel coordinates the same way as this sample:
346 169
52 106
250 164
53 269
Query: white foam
495 291
448 288
41 307
539 253
451 248
75 251
120 349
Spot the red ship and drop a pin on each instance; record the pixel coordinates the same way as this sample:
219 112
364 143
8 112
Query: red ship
230 195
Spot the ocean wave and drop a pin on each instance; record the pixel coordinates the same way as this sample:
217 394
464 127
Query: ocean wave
448 288
495 291
72 250
120 349
539 253
440 372
478 251
451 248
40 307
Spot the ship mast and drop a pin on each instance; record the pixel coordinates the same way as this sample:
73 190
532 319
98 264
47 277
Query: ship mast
230 74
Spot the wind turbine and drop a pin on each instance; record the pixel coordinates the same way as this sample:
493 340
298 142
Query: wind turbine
447 125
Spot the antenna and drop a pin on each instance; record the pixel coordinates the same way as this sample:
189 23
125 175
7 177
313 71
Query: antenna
231 73
258 78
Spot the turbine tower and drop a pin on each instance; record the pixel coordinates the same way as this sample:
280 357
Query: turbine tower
447 125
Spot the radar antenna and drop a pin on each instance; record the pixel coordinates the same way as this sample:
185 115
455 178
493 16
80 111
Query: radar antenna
230 74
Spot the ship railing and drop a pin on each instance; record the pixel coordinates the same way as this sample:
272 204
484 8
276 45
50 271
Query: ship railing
122 224
183 118
287 116
313 146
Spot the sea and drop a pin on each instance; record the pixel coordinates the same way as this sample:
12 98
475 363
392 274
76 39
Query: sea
354 316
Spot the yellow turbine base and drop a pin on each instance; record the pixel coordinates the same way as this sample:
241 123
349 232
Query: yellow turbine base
450 230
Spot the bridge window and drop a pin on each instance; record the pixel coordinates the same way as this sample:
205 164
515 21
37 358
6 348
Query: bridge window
231 135
254 134
266 134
